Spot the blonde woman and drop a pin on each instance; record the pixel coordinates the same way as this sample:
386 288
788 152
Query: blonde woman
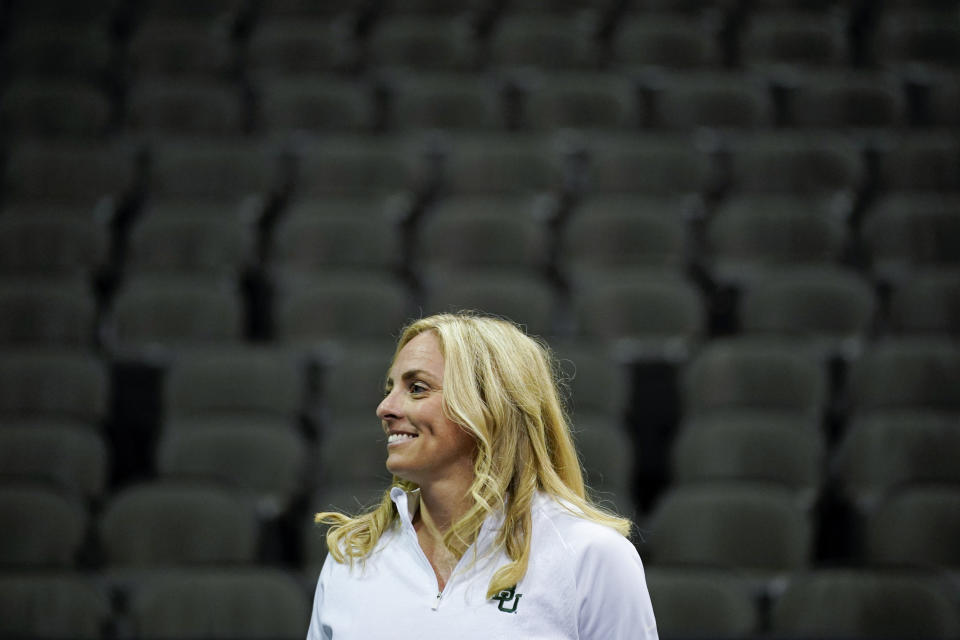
486 532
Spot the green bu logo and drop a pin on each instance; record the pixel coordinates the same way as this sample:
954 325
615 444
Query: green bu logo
507 596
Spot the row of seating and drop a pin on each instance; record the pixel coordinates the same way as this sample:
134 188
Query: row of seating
532 101
267 603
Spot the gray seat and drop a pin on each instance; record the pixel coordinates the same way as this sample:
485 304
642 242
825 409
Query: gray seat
169 524
220 604
911 36
702 603
354 454
43 527
35 243
846 99
926 303
52 605
453 101
165 106
719 100
64 387
427 43
580 101
607 456
311 242
916 525
520 164
851 603
288 104
345 165
75 460
881 451
54 109
47 312
650 164
756 528
543 40
301 45
920 161
166 46
788 38
665 40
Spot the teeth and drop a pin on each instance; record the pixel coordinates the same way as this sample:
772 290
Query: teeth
399 437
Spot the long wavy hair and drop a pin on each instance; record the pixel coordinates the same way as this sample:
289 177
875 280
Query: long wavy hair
501 385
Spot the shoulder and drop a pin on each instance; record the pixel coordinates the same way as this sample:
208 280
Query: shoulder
584 539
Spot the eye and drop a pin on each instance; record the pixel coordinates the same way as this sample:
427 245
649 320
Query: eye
418 388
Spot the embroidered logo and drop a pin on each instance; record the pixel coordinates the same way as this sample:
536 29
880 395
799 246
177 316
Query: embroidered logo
508 596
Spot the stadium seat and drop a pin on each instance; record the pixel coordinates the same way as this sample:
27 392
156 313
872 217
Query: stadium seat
853 603
342 165
607 457
176 47
668 41
352 454
304 46
53 386
43 528
916 525
74 460
691 603
521 164
51 244
220 604
454 101
52 605
647 164
740 374
920 161
720 100
879 452
45 49
756 528
48 312
913 36
164 106
164 524
54 109
543 41
846 99
750 236
593 385
580 101
426 43
287 104
904 233
925 303
774 39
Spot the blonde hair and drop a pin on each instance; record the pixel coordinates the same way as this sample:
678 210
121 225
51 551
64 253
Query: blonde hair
501 385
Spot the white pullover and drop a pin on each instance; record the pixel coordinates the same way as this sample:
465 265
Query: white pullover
585 581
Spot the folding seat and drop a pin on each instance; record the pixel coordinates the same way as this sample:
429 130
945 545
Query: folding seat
74 460
177 106
267 461
228 169
748 236
925 161
50 312
53 386
540 40
482 232
43 528
943 99
220 603
52 605
742 374
721 100
363 370
656 316
864 603
57 51
354 454
593 385
913 36
426 43
671 41
882 451
355 165
694 603
514 163
189 238
917 524
904 233
648 164
288 104
445 101
846 99
906 374
54 109
751 448
518 295
756 528
246 384
778 39
830 310
796 162
581 101
51 244
161 524
926 302
611 232
310 242
73 173
607 458
304 46
152 313
339 308
170 47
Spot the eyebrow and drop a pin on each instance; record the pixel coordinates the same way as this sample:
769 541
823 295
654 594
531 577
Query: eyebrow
407 375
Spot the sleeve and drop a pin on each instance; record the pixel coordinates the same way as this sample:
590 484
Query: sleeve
318 630
612 589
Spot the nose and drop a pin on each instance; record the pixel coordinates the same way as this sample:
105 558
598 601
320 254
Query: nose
388 407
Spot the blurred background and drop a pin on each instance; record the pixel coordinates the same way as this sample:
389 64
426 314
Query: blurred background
737 222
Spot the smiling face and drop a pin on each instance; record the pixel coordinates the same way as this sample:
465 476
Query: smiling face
423 445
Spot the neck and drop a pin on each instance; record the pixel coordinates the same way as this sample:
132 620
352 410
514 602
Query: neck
442 504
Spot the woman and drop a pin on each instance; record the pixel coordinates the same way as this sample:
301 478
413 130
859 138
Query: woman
486 532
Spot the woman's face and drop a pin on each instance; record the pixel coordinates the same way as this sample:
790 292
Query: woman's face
423 445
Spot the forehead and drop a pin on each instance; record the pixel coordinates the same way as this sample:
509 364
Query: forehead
421 353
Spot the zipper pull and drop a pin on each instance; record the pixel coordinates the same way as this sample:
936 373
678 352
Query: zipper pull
436 603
